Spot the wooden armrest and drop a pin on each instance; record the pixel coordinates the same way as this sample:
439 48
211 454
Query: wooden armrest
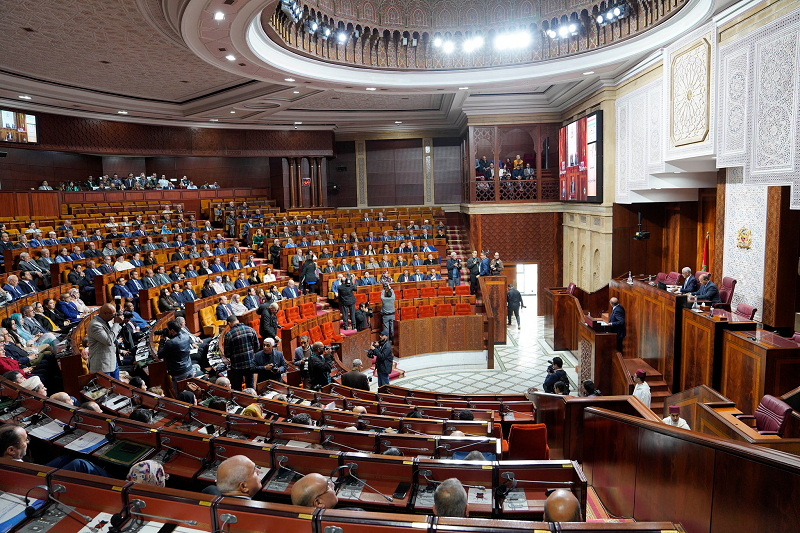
768 433
745 417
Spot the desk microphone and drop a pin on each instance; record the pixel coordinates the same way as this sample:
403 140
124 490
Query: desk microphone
509 476
388 444
350 468
329 440
32 512
281 432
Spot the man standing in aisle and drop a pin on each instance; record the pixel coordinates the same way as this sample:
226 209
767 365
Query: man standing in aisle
453 271
474 267
617 321
241 344
513 301
388 310
642 389
102 333
382 352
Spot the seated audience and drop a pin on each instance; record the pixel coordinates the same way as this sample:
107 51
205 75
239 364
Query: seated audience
450 499
562 506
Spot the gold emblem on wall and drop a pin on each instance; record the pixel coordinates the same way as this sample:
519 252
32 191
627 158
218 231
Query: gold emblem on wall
744 239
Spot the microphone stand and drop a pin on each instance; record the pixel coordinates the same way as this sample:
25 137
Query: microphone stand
329 440
350 468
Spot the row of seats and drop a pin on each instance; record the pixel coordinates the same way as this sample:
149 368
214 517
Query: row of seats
428 311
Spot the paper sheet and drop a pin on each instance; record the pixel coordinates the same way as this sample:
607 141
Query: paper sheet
87 443
12 510
47 431
479 496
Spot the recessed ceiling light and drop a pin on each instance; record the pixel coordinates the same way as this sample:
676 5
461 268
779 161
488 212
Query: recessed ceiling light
25 97
588 73
122 112
297 123
219 15
371 89
233 112
296 92
214 120
288 79
398 121
463 88
230 57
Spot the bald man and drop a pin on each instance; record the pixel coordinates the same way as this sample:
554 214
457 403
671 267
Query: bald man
360 410
238 477
314 490
562 506
62 397
450 499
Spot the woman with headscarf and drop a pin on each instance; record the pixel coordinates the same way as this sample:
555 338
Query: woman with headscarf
165 230
148 473
275 294
31 339
217 284
237 306
255 410
227 284
166 303
75 298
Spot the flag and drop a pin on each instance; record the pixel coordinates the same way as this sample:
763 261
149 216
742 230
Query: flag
705 255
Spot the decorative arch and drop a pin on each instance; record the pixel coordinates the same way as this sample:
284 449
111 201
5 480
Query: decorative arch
369 12
344 8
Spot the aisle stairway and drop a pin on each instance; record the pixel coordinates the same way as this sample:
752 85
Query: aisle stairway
658 387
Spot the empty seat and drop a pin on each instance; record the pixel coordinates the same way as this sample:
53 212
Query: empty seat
293 314
462 290
661 277
444 310
528 442
375 297
426 311
308 310
726 293
463 309
410 294
361 297
571 288
209 322
427 292
445 291
747 311
329 333
672 278
408 313
771 416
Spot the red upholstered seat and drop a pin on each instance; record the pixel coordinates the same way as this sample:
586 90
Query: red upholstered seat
497 432
444 310
283 322
361 297
427 292
771 416
329 333
315 334
672 278
747 311
375 297
408 313
426 311
699 273
661 277
528 442
462 290
409 294
445 291
308 310
571 288
293 315
463 309
726 293
796 337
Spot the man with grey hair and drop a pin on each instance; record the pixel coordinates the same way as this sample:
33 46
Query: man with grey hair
355 378
199 346
450 499
690 282
238 477
269 362
223 382
26 264
12 287
387 309
268 326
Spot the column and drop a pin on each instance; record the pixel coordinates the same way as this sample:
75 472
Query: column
427 170
361 172
320 195
292 176
312 172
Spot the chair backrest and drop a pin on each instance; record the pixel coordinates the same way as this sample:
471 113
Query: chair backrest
462 290
375 297
726 291
426 311
316 334
672 278
327 329
444 310
308 310
571 288
361 297
661 277
772 414
427 292
528 442
699 273
463 309
747 311
293 314
410 293
408 313
796 337
207 316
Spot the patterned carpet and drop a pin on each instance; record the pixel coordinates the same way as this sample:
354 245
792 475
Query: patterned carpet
520 364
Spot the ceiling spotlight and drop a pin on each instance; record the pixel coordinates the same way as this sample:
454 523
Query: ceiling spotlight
617 11
295 92
341 37
448 47
219 15
288 79
588 73
311 26
214 120
614 13
463 88
437 42
551 34
233 112
230 57
600 19
326 32
122 112
371 89
25 97
473 44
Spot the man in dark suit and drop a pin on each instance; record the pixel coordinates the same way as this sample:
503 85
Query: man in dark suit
188 293
355 378
27 284
223 309
690 282
45 260
290 291
26 264
617 321
513 302
708 290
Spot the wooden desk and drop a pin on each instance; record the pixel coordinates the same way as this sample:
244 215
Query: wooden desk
751 368
440 334
721 421
702 345
653 323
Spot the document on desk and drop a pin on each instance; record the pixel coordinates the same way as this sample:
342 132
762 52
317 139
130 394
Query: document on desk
87 443
12 510
47 431
515 501
479 496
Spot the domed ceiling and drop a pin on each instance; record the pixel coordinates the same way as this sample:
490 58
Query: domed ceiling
177 61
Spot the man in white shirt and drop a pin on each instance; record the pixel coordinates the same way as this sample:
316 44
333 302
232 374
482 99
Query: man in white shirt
642 389
674 419
45 187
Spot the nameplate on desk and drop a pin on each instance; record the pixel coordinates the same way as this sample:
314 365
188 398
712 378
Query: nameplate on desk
720 318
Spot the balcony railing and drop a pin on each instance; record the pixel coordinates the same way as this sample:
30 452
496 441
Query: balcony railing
536 189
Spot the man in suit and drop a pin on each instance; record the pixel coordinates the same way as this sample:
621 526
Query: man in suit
179 254
136 260
241 281
357 264
217 265
405 276
27 284
26 264
161 277
120 289
12 287
343 266
708 290
329 268
617 321
224 309
176 274
433 276
102 332
690 282
69 238
190 271
417 276
269 362
91 250
45 260
513 303
366 279
235 264
188 293
290 291
251 301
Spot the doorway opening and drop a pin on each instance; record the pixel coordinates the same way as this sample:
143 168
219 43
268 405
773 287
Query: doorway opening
527 284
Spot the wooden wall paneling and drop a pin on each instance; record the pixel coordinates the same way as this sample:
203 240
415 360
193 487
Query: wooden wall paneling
25 169
687 236
550 411
707 223
780 269
612 460
123 165
342 172
44 203
768 503
671 238
669 466
447 171
719 219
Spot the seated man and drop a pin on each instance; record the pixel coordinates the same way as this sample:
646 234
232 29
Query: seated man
315 490
562 506
450 499
237 477
708 290
14 446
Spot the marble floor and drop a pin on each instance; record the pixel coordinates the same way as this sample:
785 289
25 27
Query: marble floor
520 364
